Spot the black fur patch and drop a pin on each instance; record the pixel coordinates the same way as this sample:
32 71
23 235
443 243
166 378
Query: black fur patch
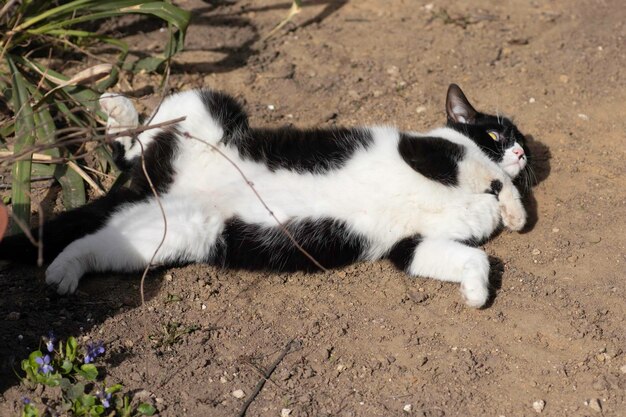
312 150
119 157
433 157
254 247
158 156
66 227
402 252
228 112
495 188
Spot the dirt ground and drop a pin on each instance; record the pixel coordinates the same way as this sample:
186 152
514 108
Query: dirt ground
368 340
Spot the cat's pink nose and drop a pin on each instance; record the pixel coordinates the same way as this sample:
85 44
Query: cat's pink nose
519 152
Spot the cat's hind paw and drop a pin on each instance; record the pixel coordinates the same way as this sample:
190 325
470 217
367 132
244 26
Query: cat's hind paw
120 111
64 274
475 283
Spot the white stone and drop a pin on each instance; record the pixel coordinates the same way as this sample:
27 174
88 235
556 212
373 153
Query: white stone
238 393
407 408
539 405
285 412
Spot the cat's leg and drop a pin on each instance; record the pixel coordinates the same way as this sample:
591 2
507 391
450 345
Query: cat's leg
129 239
479 177
446 260
121 116
511 207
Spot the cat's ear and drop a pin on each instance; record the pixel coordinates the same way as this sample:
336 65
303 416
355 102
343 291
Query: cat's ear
458 107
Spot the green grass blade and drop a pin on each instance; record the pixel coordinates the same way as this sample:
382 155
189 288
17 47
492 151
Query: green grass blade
56 11
73 187
72 184
24 138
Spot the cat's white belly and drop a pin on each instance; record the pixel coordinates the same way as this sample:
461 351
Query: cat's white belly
376 194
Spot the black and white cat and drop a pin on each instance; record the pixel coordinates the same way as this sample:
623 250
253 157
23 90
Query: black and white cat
345 194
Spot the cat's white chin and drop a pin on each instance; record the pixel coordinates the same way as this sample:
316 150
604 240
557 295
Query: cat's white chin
514 168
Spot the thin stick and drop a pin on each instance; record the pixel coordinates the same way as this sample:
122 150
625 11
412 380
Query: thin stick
158 200
258 196
7 6
40 243
259 386
154 191
85 177
296 7
106 138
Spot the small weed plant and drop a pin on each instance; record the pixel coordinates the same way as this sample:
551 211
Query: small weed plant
84 391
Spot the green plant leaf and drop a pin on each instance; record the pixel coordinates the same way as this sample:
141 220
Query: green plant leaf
24 138
88 371
146 409
76 391
66 366
114 388
71 346
30 411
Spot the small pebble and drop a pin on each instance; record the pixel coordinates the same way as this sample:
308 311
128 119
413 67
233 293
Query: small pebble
285 412
407 408
583 116
13 316
531 100
536 251
563 78
223 380
539 405
420 109
623 369
594 238
555 230
238 393
271 107
168 277
203 306
595 405
393 70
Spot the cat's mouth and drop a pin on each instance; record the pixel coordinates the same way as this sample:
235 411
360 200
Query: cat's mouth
516 166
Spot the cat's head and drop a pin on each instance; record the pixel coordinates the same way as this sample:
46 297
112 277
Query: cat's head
497 136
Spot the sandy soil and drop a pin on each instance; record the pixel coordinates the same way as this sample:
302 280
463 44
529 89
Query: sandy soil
369 340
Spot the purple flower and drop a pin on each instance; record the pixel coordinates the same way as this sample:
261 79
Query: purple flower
50 341
93 351
44 364
105 398
26 400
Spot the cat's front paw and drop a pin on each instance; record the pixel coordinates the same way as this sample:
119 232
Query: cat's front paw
64 274
514 215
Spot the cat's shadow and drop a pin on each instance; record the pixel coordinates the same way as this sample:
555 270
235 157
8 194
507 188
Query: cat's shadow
496 272
538 170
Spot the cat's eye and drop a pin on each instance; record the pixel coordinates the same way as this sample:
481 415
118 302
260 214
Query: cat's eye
494 135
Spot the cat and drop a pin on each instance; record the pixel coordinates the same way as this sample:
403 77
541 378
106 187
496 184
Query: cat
422 200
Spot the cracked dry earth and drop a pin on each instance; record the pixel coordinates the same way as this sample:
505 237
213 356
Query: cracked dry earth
370 340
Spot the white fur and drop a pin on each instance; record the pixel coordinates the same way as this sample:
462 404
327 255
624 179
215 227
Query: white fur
376 194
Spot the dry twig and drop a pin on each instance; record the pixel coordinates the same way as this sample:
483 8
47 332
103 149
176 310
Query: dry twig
292 346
